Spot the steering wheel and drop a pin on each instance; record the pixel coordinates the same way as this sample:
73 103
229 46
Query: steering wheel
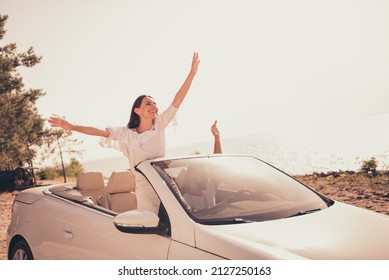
231 198
239 195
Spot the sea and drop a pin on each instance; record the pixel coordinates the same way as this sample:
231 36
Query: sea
314 147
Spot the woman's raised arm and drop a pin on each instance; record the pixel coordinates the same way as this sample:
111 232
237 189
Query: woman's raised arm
63 123
180 95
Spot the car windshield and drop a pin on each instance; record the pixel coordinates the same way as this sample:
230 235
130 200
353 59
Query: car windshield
236 189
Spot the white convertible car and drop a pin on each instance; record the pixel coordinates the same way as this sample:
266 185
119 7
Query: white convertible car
212 207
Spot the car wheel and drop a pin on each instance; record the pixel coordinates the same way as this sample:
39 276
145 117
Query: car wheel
21 251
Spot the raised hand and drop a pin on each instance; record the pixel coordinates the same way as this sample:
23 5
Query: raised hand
217 148
57 121
195 63
215 130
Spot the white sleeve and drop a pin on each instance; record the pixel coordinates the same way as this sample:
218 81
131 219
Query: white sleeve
119 139
168 116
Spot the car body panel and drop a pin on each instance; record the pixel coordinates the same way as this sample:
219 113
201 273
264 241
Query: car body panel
78 232
92 235
180 251
33 219
56 227
319 235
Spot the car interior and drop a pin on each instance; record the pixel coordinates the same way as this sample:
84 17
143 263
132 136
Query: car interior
117 195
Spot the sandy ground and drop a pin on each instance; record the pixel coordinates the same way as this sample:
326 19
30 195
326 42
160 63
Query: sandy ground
6 200
370 193
358 190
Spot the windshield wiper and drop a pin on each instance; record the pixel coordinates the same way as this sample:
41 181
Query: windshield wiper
227 221
300 213
241 220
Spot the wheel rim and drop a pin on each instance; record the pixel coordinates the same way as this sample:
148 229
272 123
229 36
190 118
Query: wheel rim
20 254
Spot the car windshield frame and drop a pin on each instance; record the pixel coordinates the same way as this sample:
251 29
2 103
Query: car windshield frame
232 189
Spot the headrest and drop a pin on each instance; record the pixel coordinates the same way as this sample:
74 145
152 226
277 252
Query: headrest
90 181
121 182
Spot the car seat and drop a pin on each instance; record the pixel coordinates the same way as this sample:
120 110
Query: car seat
91 184
120 193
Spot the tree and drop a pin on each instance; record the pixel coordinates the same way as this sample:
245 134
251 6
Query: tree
22 129
369 166
59 142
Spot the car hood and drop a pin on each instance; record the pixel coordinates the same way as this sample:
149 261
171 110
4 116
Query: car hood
338 232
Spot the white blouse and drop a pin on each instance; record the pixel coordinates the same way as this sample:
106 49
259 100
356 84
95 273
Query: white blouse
138 147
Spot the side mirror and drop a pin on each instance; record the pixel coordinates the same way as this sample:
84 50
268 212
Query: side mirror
137 221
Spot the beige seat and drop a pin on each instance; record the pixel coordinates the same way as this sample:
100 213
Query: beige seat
120 193
91 184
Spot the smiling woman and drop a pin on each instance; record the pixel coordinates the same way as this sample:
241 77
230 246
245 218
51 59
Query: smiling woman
143 138
144 107
294 66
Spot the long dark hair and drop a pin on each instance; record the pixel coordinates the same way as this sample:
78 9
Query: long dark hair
134 118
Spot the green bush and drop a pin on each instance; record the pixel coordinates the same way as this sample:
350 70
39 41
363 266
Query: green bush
48 173
72 170
369 166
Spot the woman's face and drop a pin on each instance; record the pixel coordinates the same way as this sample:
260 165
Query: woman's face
148 108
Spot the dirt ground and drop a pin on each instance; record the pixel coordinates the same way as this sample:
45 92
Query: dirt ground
6 200
356 189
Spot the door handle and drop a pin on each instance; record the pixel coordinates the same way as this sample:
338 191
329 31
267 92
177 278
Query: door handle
67 233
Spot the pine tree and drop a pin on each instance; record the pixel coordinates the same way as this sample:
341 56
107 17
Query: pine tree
22 129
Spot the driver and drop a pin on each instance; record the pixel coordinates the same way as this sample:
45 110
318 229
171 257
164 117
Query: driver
197 189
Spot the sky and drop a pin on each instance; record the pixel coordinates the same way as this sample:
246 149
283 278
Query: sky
265 65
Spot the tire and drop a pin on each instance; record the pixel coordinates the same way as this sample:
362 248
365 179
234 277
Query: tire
21 251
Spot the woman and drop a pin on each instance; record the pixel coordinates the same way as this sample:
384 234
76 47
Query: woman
143 138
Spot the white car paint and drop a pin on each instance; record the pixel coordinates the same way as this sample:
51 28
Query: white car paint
320 235
56 228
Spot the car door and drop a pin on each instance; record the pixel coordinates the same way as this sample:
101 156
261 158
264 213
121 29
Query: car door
90 234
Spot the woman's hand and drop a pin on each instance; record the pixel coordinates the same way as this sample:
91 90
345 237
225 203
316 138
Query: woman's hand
215 130
57 121
217 147
195 63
